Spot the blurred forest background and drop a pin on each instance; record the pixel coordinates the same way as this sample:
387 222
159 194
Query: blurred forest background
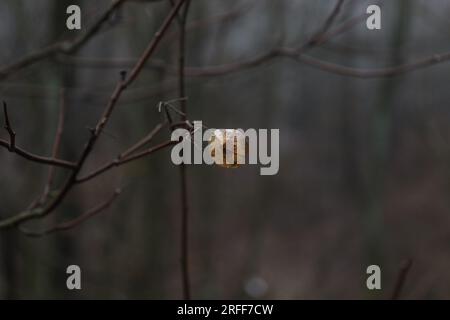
364 162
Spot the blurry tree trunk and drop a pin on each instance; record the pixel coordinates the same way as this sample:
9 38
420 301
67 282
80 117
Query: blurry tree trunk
382 137
267 117
64 77
9 277
9 242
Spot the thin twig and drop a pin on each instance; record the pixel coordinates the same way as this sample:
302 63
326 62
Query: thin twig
376 72
184 237
146 152
121 159
294 54
168 116
40 159
67 47
141 143
400 283
118 163
12 147
317 38
74 222
56 144
8 127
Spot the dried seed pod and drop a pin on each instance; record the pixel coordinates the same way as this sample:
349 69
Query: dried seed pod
233 145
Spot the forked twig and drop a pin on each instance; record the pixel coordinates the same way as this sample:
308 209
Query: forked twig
184 235
74 222
317 38
131 154
12 147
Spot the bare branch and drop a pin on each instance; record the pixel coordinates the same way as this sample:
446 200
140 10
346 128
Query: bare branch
156 63
12 147
404 270
138 145
40 159
119 162
317 38
376 72
60 47
184 236
74 222
121 86
286 52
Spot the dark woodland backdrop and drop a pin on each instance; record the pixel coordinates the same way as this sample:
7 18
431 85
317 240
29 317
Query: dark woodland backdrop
364 162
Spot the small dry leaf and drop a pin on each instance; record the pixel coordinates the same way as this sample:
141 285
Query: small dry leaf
233 144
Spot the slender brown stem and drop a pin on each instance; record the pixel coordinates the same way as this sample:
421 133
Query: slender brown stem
183 176
317 38
74 222
40 159
376 72
119 162
56 145
184 234
138 145
400 283
12 134
12 147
